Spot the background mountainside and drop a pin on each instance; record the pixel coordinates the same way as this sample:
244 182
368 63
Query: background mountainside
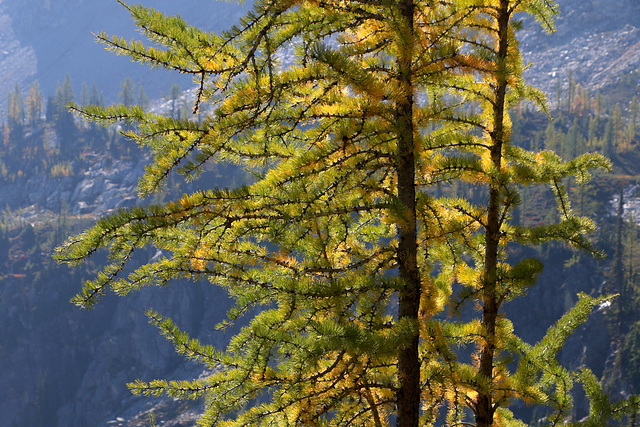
599 40
65 367
596 40
46 39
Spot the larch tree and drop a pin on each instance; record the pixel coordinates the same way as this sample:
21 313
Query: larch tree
34 104
349 113
15 107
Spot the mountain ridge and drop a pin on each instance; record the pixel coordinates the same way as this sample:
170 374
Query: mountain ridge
598 40
61 37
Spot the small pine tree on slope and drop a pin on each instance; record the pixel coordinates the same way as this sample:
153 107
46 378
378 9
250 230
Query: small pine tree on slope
340 241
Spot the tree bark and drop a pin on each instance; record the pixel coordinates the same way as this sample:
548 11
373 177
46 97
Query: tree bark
490 299
408 395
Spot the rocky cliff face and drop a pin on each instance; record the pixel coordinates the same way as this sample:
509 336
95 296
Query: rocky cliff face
127 347
104 186
18 62
597 40
63 366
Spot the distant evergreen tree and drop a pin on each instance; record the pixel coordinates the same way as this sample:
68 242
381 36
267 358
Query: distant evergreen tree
599 105
66 94
50 109
96 97
551 138
35 104
593 133
633 120
143 99
608 142
572 91
15 107
174 95
127 95
13 135
617 127
575 141
84 95
63 119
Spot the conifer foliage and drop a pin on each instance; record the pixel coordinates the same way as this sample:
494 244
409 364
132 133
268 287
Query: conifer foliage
340 258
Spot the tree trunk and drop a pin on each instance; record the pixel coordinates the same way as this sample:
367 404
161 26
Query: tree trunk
408 396
490 299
